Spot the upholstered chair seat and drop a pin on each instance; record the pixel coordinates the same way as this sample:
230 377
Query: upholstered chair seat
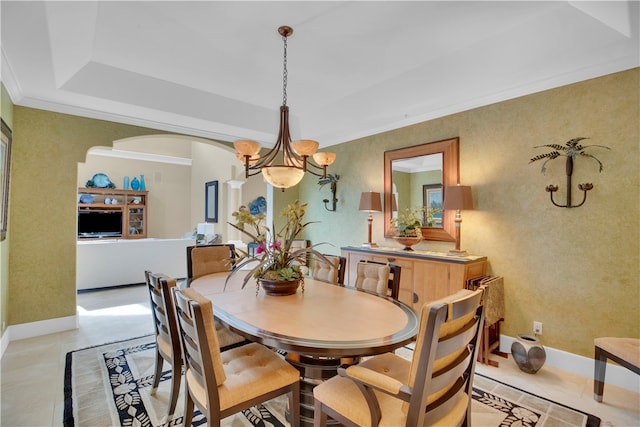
242 365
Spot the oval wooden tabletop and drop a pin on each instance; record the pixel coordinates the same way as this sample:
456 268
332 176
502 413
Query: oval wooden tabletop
324 320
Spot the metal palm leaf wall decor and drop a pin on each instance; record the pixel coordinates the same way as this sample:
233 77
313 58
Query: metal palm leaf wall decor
571 150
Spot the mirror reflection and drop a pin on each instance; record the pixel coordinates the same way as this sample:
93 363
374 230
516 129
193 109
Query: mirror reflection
417 177
417 184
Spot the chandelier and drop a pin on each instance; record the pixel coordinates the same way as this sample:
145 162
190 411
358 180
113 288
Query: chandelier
286 163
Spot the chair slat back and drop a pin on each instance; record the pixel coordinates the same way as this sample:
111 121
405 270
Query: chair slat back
200 343
444 357
162 308
207 259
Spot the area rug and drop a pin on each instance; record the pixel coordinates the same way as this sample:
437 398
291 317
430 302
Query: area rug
110 384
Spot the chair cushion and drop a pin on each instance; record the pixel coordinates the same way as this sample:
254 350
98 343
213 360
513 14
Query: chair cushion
209 259
625 348
326 272
251 371
343 395
373 277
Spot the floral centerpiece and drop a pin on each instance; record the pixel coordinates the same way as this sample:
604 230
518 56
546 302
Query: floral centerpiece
407 227
278 268
408 223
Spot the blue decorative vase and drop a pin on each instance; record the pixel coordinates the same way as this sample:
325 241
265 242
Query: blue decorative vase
135 184
125 184
142 186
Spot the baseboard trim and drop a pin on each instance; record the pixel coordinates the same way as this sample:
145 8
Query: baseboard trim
4 342
580 365
42 327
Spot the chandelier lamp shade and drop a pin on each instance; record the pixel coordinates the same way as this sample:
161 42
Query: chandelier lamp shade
286 163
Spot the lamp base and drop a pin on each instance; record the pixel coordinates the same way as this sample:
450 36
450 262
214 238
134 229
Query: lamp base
457 252
370 245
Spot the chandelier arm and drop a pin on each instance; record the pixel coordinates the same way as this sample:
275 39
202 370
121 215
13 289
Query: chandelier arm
291 160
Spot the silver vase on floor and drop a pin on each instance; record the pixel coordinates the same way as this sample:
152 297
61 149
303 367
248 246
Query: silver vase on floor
528 353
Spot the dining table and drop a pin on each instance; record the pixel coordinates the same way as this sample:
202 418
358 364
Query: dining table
319 328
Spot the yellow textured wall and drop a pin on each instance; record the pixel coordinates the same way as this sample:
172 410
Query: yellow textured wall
575 270
6 112
46 150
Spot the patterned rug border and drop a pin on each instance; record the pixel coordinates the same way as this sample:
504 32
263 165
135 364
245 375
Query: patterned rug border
67 417
69 420
592 420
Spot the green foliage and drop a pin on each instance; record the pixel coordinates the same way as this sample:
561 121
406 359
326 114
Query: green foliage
276 261
408 222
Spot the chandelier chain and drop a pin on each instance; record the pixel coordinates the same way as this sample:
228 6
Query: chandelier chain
284 73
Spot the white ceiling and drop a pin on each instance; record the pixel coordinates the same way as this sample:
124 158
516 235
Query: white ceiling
214 69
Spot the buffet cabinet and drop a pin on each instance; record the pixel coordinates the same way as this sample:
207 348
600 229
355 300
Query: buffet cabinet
425 276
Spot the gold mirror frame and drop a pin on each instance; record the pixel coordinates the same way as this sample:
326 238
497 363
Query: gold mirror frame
450 176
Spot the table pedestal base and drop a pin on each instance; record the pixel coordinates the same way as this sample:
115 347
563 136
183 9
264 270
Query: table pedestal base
313 371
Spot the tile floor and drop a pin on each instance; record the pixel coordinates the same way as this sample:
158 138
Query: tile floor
31 390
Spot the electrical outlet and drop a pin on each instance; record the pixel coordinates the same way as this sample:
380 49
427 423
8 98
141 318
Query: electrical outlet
537 328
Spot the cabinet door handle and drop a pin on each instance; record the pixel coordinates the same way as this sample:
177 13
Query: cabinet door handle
391 259
415 298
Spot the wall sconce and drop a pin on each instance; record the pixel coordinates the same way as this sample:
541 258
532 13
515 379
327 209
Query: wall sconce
570 150
457 198
370 202
333 180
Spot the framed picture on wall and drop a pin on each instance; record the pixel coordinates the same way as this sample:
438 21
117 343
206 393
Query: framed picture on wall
432 199
5 162
211 201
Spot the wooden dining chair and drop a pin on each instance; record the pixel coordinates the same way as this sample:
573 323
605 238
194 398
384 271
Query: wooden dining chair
166 330
434 388
377 277
207 259
221 384
332 272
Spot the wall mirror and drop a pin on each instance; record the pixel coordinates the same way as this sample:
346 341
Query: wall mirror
416 177
211 201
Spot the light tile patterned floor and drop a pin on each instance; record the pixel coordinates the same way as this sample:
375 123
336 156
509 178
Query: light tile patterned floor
31 390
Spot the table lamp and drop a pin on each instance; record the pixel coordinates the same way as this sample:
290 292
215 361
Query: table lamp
370 202
457 198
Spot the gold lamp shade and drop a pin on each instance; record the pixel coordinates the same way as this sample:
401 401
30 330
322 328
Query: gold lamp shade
324 158
282 176
246 147
305 147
